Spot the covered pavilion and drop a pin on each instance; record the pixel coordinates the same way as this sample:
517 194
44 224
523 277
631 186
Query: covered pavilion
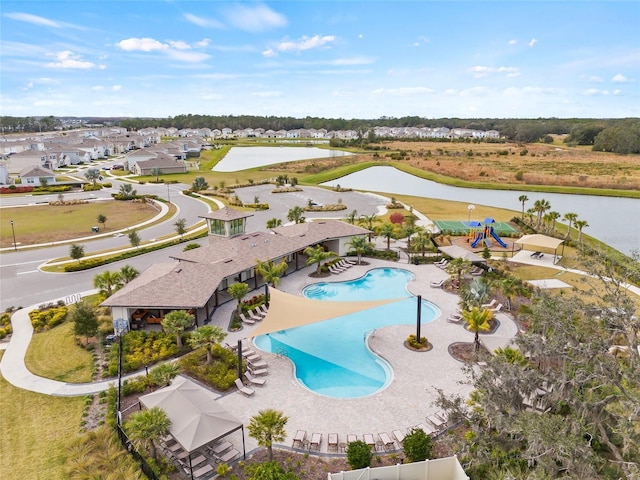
542 241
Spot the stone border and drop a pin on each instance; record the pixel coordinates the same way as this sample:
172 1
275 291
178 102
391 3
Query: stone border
423 350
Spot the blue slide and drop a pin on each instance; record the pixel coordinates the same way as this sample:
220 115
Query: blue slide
476 241
488 243
498 239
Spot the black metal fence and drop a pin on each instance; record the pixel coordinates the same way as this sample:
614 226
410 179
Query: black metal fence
144 466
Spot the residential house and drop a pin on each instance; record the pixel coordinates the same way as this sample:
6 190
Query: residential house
165 163
32 176
27 158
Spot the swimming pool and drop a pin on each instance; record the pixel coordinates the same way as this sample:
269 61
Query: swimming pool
331 357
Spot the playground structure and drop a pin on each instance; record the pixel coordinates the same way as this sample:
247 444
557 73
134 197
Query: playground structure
481 231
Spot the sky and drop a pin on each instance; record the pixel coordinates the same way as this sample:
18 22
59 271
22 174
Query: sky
333 59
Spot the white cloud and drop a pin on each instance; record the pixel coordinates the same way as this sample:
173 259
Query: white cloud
343 93
67 59
269 52
212 96
116 88
592 92
203 22
305 43
422 40
619 78
272 94
254 18
480 71
532 42
178 50
403 91
524 91
360 35
595 79
513 42
141 44
617 92
202 43
475 91
450 92
33 19
97 88
352 61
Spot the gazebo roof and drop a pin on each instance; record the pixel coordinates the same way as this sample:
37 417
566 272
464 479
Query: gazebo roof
539 240
226 214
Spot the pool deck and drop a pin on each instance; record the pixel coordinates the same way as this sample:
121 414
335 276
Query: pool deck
404 403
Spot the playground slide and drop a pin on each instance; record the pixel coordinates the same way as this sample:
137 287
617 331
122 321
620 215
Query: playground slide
498 239
476 241
488 243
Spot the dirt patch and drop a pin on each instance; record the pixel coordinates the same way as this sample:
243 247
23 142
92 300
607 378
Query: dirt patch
465 352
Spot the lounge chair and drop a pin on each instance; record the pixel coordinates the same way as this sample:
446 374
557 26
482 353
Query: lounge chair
247 391
332 442
299 438
336 270
443 266
253 380
398 435
387 443
497 308
368 439
436 421
490 304
246 320
316 441
439 284
263 309
251 356
342 263
257 363
227 457
254 316
203 470
351 438
256 372
442 261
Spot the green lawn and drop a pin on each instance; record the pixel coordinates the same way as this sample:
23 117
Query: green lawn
54 354
37 431
50 223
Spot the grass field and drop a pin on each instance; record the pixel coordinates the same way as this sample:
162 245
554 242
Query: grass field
54 354
36 433
50 223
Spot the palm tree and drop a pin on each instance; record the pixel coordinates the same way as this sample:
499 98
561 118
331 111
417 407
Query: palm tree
477 321
274 222
127 191
238 291
510 287
351 217
387 231
316 255
522 199
107 282
207 337
570 217
176 322
163 374
580 224
553 216
368 222
157 172
359 245
271 272
458 267
76 251
147 427
408 231
296 215
422 242
93 174
268 427
126 274
540 206
181 226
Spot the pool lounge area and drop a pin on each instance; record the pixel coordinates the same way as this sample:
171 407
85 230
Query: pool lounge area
404 403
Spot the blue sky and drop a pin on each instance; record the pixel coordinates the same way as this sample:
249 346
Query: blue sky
344 59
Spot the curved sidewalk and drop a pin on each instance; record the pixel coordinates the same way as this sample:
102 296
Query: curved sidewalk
15 371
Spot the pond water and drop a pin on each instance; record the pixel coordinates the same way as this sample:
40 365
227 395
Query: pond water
242 158
612 220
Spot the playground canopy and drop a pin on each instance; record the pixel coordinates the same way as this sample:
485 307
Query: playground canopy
539 240
454 251
289 311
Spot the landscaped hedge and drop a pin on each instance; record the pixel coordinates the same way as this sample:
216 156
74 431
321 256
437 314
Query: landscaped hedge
332 207
48 317
97 262
5 324
141 348
52 189
220 374
14 189
257 206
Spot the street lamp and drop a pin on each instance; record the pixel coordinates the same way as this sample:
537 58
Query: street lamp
15 245
471 208
120 327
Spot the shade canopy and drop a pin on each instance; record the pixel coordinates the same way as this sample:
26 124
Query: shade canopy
289 311
455 251
196 418
539 240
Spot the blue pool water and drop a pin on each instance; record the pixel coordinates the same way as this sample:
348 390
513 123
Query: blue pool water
331 357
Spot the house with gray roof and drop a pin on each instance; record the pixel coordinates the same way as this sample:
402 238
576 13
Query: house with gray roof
32 176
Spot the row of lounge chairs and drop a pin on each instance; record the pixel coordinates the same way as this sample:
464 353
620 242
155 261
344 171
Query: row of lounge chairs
197 463
442 264
384 443
493 306
341 266
253 316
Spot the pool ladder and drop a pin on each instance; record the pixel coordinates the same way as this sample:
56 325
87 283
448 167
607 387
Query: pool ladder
282 353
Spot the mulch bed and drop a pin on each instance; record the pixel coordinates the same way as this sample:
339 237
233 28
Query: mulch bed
465 352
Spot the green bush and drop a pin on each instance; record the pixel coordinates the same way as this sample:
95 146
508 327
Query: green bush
140 348
417 445
190 246
220 374
48 317
358 455
414 343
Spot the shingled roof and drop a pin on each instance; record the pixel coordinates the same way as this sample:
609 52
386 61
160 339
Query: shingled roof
227 214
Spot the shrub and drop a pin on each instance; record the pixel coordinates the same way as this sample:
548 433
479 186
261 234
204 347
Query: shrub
414 343
191 246
417 445
396 218
141 348
358 455
220 374
519 175
47 317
